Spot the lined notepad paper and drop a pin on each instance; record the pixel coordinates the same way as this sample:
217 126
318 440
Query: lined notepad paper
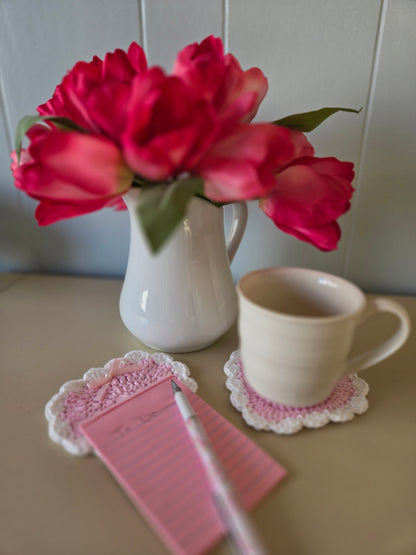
145 444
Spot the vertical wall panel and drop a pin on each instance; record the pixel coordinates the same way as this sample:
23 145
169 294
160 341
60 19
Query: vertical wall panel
383 253
40 41
314 54
172 25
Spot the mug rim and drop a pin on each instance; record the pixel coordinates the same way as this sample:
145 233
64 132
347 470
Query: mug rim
293 317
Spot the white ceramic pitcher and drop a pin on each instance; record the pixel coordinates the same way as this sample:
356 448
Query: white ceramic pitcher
184 298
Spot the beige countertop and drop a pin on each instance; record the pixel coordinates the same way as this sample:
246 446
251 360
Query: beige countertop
350 487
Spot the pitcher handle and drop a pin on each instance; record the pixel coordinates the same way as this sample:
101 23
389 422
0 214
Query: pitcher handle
379 353
238 226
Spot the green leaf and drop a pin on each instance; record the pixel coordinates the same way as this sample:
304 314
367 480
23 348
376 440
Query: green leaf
22 127
161 208
308 121
28 121
65 124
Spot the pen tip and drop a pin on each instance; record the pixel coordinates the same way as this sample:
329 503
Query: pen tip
175 387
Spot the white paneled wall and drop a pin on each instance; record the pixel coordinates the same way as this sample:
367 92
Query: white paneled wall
320 53
382 249
314 54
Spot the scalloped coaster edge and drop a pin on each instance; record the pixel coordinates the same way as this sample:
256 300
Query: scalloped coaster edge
346 400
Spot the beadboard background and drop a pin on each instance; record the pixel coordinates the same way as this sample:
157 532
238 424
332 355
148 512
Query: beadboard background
314 53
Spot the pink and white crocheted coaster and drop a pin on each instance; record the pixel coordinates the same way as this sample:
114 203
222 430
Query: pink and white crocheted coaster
347 399
101 388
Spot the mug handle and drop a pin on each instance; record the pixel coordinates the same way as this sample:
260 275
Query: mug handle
388 347
238 226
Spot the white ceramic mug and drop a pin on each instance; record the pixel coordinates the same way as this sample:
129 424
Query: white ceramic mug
296 329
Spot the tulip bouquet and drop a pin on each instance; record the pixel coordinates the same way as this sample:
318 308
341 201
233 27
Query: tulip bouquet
117 123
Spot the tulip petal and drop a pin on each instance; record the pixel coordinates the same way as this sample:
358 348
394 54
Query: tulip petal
236 94
137 57
232 180
88 165
119 66
48 212
169 127
241 165
309 195
249 90
301 144
304 197
70 173
107 105
325 237
83 94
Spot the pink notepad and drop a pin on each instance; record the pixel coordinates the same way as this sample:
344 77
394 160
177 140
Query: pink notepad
144 443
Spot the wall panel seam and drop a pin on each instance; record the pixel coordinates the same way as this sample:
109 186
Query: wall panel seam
364 134
5 114
142 25
225 23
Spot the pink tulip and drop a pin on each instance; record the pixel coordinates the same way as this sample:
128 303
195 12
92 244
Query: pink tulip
242 164
169 126
196 121
94 94
308 197
236 94
70 173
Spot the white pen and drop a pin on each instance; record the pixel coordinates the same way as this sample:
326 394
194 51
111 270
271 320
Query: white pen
244 537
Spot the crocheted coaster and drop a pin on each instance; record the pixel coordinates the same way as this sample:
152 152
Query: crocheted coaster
101 388
347 399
